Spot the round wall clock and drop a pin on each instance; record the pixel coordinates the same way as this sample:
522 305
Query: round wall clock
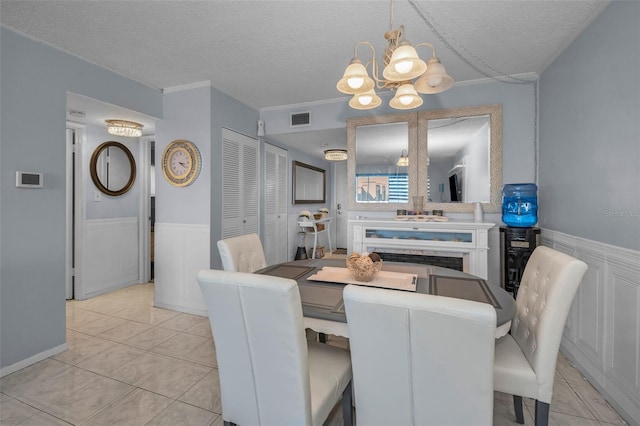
181 163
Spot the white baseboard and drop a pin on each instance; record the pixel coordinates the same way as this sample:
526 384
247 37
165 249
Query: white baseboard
4 371
183 309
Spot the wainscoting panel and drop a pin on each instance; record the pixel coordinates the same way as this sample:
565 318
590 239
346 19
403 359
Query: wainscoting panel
602 336
623 326
181 251
110 255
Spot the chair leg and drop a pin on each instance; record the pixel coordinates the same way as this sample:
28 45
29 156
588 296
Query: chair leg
517 407
542 413
347 410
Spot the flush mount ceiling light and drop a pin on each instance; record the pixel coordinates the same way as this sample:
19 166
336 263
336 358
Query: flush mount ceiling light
335 154
401 65
129 129
403 161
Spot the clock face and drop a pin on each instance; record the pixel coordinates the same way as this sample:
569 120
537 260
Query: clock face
181 163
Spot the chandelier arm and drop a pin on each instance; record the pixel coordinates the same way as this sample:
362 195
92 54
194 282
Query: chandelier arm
433 49
374 63
365 43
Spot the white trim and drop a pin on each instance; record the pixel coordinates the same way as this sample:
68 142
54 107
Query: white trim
190 86
144 230
5 371
183 309
80 218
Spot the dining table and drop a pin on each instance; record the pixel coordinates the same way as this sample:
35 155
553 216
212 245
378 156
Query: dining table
323 307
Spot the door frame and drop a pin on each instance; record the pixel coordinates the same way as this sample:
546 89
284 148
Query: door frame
144 218
75 222
344 216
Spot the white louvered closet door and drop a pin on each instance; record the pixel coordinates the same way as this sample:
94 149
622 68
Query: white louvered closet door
240 171
275 205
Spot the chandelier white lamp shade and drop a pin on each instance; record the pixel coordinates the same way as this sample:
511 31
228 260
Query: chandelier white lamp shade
403 161
125 128
401 65
405 64
406 98
435 80
366 100
355 79
335 154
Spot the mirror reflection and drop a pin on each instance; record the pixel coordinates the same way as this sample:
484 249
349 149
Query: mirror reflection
382 175
113 168
309 185
458 160
454 159
463 150
380 172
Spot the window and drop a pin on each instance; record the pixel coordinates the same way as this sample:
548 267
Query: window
379 187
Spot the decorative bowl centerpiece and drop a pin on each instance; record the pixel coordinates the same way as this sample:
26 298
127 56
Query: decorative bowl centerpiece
364 267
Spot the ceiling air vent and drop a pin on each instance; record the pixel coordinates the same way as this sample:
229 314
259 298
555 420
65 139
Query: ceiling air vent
300 119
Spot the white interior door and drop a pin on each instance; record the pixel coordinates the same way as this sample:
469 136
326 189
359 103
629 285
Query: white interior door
241 171
342 215
275 204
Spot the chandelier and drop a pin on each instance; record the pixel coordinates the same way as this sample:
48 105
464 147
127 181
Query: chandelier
335 154
401 66
403 161
129 129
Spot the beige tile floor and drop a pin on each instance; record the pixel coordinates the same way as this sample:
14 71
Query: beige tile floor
130 363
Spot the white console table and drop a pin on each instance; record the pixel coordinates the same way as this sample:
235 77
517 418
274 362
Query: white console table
465 239
310 226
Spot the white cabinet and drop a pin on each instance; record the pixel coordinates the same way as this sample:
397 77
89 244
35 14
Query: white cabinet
240 183
275 204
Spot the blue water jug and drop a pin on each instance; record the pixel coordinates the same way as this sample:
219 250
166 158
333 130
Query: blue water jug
520 204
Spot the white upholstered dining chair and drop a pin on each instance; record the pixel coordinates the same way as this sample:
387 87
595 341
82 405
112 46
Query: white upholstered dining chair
420 359
525 359
242 254
269 373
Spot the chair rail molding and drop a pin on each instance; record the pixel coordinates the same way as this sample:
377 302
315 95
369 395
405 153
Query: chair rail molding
602 336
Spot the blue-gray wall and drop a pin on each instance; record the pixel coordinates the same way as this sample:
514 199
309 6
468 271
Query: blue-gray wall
34 80
590 132
187 115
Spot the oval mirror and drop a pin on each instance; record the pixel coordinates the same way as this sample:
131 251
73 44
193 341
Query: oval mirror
113 168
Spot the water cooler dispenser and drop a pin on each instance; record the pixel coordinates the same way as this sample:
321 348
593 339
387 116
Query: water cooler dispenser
519 238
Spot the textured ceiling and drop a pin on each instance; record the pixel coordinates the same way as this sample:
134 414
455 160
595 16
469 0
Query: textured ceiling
272 53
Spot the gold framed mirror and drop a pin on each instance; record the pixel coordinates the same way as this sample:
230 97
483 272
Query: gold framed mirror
113 168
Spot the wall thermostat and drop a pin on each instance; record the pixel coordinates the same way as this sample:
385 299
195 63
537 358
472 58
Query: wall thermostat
29 180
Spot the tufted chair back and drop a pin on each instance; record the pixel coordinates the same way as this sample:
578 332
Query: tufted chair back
242 254
547 289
